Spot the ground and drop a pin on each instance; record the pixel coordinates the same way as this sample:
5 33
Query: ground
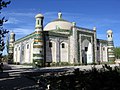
12 78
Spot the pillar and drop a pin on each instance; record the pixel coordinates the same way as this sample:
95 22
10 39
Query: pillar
75 44
110 46
11 46
38 45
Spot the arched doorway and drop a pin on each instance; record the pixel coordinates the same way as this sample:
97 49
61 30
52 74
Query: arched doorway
87 52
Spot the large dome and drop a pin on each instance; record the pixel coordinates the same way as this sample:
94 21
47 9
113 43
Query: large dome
58 24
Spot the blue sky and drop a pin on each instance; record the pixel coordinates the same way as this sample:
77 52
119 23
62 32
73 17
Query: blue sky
103 14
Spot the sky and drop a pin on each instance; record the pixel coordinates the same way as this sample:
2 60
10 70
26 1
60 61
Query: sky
102 14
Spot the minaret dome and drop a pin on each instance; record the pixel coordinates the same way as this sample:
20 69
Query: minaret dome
39 16
39 21
109 32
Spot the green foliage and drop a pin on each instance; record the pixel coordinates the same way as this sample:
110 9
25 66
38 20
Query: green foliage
5 58
3 31
27 64
106 78
117 52
64 64
61 64
3 4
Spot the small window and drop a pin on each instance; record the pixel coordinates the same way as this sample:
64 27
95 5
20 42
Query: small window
15 49
22 52
40 52
38 22
97 48
86 48
63 45
28 46
50 44
19 48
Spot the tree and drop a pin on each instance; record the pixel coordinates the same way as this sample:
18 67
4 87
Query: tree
3 32
117 52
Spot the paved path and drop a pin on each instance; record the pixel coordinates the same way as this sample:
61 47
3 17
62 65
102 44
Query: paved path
83 67
12 79
16 70
13 70
16 83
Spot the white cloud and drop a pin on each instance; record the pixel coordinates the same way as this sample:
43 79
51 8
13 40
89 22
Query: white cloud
64 14
12 21
26 22
48 16
49 13
30 14
22 31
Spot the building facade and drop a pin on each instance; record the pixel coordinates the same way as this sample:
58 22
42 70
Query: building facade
61 41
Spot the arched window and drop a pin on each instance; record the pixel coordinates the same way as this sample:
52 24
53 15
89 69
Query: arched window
38 22
86 48
50 44
97 48
63 45
19 48
28 46
22 50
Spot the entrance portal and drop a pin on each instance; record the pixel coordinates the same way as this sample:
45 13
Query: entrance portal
87 53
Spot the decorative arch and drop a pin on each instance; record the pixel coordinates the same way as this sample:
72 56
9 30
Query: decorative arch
85 43
50 51
87 52
64 51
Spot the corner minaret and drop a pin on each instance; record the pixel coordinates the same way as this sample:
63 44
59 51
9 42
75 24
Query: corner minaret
11 45
38 45
111 56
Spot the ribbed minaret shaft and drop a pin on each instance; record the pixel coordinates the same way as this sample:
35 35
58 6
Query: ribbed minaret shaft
38 45
11 42
11 46
111 56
